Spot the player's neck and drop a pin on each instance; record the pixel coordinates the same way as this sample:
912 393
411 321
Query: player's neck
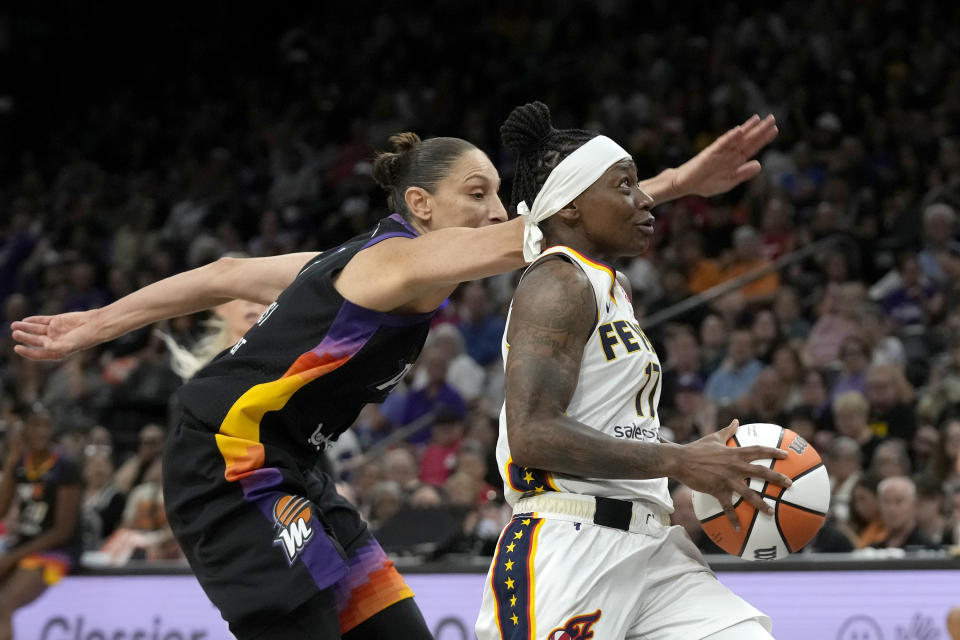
576 242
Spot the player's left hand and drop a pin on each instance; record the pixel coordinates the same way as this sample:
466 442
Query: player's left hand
727 161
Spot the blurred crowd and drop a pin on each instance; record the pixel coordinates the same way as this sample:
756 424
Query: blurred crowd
856 347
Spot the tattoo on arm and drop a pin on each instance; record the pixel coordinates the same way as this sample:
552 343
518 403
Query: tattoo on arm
554 313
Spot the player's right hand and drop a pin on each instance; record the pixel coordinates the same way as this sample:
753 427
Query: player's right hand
55 337
708 465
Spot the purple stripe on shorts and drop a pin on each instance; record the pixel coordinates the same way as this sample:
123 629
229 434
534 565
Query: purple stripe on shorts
322 559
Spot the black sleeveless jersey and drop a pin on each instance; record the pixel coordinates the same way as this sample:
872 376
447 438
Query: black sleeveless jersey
37 492
302 373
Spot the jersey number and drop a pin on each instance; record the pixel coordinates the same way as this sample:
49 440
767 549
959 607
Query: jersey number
648 391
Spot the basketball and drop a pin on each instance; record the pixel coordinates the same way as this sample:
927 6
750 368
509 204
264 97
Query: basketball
799 510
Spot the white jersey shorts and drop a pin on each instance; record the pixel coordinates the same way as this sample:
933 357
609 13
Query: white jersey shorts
557 575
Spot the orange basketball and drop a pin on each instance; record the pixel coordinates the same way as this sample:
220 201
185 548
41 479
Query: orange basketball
799 511
290 508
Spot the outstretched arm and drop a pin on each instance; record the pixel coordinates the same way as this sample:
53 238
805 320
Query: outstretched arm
552 316
256 279
415 275
718 168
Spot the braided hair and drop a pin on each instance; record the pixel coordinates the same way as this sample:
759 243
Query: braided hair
528 132
415 163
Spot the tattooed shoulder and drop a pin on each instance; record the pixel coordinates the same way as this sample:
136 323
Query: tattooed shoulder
555 295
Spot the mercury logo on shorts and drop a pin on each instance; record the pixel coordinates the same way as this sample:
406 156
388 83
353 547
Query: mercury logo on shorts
577 627
292 514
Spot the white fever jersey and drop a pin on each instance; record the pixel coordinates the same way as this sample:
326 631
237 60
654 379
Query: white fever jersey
617 394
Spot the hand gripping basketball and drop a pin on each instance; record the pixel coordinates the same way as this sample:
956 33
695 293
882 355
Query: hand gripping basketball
710 466
790 518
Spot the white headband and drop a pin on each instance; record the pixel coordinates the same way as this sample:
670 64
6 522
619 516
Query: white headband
568 180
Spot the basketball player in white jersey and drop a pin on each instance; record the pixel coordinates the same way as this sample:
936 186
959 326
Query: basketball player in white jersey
589 552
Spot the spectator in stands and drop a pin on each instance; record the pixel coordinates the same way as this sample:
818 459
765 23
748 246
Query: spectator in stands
436 395
75 391
923 447
46 543
463 373
748 256
103 504
844 462
838 319
733 380
787 364
891 402
426 496
701 272
776 228
143 533
682 362
695 415
897 498
384 500
471 460
942 394
831 538
800 420
364 478
480 325
890 459
83 291
100 437
766 335
939 225
866 525
878 330
440 456
854 360
912 304
462 490
931 514
143 395
945 465
400 468
713 343
952 498
72 441
786 307
766 401
850 412
133 471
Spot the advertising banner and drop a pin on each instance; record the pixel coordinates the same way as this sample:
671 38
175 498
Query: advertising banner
827 605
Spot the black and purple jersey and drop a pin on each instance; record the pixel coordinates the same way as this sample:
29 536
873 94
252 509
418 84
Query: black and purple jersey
302 373
261 530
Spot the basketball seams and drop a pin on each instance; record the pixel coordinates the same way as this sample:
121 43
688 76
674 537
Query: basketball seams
807 472
794 505
773 461
803 461
780 531
746 535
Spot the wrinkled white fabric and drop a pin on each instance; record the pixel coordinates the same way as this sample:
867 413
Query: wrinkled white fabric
568 180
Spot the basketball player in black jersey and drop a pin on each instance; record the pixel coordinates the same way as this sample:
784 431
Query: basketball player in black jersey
45 545
272 544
